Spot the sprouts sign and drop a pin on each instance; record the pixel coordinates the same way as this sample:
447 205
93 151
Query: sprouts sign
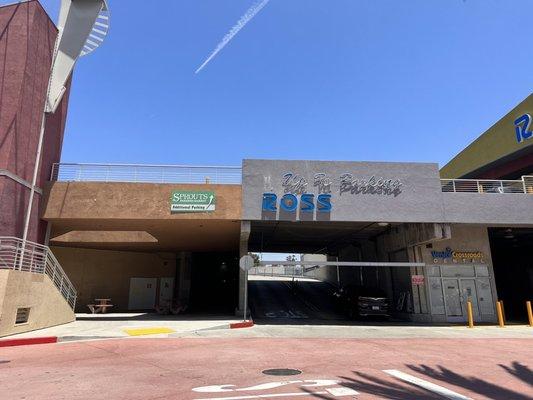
184 201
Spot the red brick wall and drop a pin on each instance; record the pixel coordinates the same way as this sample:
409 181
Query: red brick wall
27 37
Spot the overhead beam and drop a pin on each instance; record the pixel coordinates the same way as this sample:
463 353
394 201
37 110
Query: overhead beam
341 264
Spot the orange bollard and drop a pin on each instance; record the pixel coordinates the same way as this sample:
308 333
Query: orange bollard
470 314
501 322
529 313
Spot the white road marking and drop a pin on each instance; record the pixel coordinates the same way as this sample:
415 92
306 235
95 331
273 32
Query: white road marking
265 386
442 391
264 396
334 391
342 391
320 382
214 389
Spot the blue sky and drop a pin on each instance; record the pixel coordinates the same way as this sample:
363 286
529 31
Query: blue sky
384 80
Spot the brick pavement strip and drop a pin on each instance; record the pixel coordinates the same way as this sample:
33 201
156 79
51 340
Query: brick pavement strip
171 368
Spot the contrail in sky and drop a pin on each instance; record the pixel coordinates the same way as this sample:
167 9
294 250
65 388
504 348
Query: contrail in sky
247 17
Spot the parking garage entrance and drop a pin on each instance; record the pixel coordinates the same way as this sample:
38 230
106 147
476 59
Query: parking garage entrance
423 272
333 264
312 291
513 269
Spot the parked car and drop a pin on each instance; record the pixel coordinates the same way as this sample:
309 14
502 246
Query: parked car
361 301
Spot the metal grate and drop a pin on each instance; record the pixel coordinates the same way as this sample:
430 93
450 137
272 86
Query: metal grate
282 371
23 316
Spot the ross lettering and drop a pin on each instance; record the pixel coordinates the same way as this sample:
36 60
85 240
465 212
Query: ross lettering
289 203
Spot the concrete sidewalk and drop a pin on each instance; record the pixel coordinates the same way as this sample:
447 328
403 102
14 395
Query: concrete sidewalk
114 325
377 331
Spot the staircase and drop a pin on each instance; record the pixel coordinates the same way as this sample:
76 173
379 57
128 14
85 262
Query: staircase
99 31
38 259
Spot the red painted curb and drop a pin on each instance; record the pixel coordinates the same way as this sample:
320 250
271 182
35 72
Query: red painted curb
28 341
244 324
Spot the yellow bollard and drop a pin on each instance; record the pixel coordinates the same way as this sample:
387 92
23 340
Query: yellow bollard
529 313
503 312
500 314
470 314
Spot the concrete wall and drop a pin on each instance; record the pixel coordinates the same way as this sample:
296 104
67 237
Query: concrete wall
27 37
106 274
419 200
488 208
35 291
464 238
134 201
369 276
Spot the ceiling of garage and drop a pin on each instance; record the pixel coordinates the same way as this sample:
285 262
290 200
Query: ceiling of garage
308 237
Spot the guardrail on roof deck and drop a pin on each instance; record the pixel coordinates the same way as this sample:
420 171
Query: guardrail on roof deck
37 259
138 173
525 185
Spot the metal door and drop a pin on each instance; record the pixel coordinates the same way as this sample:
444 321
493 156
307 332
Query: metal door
468 291
452 298
142 293
486 303
166 290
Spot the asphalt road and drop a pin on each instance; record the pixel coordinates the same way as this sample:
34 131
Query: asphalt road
279 300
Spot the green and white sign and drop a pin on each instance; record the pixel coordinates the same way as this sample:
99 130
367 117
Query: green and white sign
184 201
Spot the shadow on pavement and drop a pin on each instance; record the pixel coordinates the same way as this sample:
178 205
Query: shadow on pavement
472 383
520 371
154 317
382 388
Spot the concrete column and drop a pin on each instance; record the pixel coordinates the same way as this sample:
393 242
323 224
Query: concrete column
243 250
183 278
48 233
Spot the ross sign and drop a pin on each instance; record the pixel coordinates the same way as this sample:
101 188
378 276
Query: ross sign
522 125
188 201
290 202
297 197
457 256
246 262
417 280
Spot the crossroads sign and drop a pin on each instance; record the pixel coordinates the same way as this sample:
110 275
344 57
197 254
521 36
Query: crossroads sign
185 201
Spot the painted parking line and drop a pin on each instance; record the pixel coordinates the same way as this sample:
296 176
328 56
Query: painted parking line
442 391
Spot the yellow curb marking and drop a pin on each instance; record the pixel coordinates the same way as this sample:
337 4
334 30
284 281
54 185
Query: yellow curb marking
148 331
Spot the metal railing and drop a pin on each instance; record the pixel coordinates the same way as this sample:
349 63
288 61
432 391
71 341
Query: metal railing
71 172
294 271
37 259
525 185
